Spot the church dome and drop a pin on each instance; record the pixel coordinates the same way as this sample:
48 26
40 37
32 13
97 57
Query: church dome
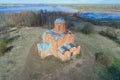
59 21
60 25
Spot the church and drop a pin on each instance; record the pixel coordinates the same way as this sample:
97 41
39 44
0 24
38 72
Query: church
58 42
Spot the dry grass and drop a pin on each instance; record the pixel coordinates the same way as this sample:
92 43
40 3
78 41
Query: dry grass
96 7
102 44
12 63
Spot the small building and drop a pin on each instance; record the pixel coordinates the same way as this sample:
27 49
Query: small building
58 42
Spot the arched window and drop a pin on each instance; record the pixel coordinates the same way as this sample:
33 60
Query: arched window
59 28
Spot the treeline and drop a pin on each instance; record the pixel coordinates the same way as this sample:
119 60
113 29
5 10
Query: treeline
97 7
114 24
112 33
27 18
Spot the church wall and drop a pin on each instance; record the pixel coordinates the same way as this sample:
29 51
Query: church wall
62 28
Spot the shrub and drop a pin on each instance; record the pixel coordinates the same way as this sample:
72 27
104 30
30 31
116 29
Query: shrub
103 59
70 25
88 28
79 55
76 29
3 47
110 32
118 35
3 39
115 70
115 25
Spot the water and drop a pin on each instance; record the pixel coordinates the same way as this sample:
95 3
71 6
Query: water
101 16
98 16
36 8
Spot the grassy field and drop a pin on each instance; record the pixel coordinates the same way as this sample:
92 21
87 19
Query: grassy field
22 62
109 47
90 45
83 68
96 7
11 64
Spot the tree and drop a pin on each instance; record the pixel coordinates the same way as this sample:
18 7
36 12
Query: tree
110 32
115 24
88 28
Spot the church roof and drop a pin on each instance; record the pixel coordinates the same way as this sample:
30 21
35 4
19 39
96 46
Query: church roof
66 47
59 21
53 34
45 46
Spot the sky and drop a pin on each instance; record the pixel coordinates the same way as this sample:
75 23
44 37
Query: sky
60 1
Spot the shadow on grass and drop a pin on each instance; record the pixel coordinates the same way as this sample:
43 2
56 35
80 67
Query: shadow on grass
9 48
111 70
115 73
97 54
13 38
6 49
56 60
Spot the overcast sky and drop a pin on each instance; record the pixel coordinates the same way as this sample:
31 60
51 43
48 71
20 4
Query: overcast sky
62 1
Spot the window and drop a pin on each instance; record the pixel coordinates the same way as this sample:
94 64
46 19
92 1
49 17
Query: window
59 28
71 53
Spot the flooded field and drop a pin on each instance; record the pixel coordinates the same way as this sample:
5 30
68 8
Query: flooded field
36 8
101 16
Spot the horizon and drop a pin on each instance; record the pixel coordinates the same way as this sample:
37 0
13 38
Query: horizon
60 2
